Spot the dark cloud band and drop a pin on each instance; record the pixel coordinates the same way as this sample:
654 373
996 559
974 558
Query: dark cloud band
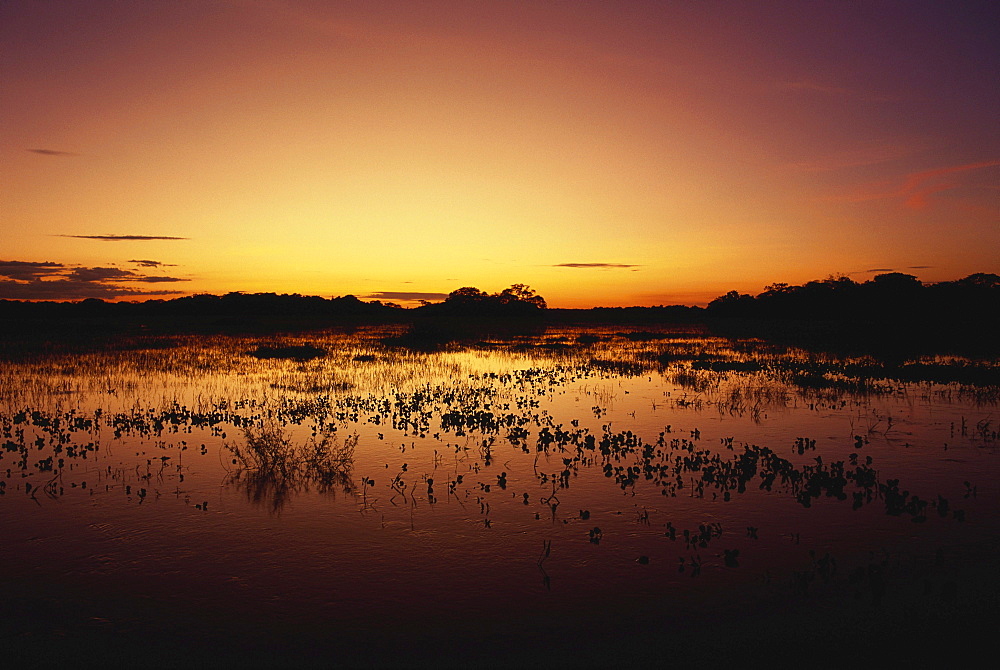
151 264
52 152
595 265
25 270
46 280
124 238
405 295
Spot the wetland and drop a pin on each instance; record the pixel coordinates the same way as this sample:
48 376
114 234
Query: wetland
561 496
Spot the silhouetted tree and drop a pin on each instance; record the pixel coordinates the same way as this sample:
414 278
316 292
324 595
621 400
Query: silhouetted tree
732 304
466 297
515 301
980 280
522 295
897 281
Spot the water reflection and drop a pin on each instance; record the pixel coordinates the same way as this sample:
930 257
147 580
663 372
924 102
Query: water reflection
269 468
638 461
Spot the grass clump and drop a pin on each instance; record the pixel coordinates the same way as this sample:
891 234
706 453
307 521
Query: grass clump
270 467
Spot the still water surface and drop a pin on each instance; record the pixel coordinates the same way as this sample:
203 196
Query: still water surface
545 491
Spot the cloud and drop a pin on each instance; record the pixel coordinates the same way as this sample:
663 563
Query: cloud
26 270
919 267
100 274
596 265
405 296
29 280
52 152
917 188
123 238
158 280
64 289
881 270
151 264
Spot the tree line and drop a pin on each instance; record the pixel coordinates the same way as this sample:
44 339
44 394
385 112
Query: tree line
517 301
893 296
887 297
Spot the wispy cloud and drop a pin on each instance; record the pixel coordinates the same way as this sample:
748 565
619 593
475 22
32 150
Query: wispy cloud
915 189
405 296
154 279
920 186
30 280
617 266
123 238
908 267
151 264
52 152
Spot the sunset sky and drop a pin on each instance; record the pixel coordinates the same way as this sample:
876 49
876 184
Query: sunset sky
605 153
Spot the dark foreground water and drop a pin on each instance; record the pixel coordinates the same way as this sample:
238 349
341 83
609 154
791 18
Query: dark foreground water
583 496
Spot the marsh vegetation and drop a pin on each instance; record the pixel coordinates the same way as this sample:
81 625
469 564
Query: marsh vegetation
645 485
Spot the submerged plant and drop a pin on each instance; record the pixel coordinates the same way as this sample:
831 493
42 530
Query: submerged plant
269 466
264 449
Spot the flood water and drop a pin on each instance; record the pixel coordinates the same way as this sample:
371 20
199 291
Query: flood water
573 495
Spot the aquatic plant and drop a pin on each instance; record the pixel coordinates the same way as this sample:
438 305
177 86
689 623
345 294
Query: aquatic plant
269 466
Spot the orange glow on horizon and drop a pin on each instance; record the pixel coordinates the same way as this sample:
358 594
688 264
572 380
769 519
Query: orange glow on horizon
604 154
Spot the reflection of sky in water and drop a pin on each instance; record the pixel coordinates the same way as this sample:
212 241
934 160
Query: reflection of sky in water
428 523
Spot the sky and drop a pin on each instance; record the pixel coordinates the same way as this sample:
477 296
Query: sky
604 153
